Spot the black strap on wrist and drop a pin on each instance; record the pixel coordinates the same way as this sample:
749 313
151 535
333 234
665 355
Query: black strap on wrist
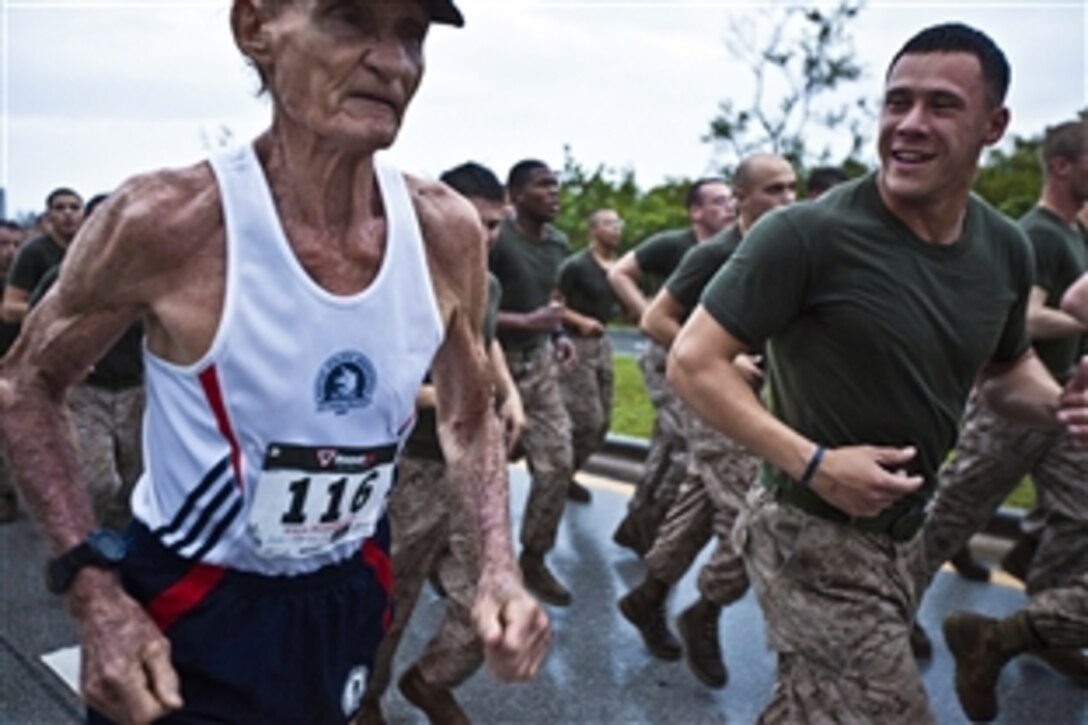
811 466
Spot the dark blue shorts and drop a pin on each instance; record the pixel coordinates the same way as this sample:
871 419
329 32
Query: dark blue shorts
256 649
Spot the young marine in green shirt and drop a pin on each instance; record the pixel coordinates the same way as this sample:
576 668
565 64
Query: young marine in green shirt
882 304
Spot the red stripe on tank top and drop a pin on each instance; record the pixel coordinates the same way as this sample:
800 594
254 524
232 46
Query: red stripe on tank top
209 381
184 595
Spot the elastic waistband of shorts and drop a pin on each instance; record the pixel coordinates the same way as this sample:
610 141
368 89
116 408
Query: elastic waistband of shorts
143 543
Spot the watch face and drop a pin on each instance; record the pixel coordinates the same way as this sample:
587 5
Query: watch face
108 545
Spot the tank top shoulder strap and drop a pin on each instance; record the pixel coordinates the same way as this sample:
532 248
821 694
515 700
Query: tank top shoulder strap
397 199
247 201
404 228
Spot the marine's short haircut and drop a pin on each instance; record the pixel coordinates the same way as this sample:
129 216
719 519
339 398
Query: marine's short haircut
742 177
474 180
9 224
822 178
521 172
694 195
60 191
745 175
960 38
1065 141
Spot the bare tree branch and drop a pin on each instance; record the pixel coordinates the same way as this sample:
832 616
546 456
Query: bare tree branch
801 57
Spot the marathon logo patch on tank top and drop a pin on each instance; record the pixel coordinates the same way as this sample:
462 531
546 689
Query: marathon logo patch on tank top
345 381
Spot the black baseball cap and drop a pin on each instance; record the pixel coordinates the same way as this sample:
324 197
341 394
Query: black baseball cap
444 11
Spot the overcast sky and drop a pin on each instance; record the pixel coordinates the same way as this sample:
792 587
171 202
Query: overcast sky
93 92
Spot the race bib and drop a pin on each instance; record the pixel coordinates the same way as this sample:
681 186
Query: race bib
311 500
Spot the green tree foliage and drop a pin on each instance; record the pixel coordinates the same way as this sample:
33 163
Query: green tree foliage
801 58
582 192
1011 179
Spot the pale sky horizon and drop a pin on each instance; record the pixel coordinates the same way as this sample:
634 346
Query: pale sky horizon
92 92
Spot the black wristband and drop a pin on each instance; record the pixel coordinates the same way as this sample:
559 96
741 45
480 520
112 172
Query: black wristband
559 332
811 466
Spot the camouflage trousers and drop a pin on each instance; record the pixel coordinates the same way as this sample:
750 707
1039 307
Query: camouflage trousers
666 460
1060 616
587 395
992 456
720 471
429 534
108 427
838 604
546 441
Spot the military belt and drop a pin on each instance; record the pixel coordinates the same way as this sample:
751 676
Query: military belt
901 521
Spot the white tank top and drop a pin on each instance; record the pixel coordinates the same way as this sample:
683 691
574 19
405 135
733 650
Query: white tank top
273 453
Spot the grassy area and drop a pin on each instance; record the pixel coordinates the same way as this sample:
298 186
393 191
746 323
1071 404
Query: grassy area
1023 496
632 415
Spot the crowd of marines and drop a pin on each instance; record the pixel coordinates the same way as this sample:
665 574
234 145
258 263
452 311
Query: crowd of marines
839 521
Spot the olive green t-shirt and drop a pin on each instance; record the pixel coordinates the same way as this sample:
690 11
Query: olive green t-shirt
1060 259
875 337
659 255
32 261
529 272
584 285
699 265
423 442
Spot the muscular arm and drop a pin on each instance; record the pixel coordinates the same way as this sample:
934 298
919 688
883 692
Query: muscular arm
1023 391
661 318
661 323
1048 323
513 627
1075 299
624 277
96 298
542 319
464 395
700 369
470 437
583 324
126 671
860 480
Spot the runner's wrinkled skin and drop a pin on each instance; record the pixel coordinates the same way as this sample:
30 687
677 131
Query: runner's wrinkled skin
156 252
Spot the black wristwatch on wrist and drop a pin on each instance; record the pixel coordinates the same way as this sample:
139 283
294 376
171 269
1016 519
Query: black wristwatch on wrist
102 548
